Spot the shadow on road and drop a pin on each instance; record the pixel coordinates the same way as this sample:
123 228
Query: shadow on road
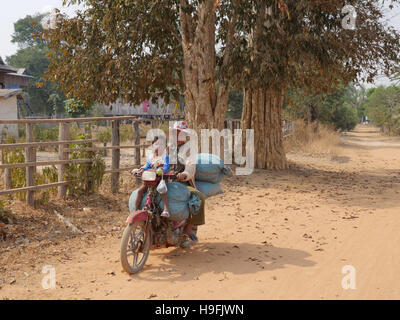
220 258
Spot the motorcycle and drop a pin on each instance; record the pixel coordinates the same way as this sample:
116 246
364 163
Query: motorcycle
146 229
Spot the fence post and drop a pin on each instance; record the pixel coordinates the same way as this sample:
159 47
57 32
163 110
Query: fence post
63 135
30 156
115 156
229 125
154 123
136 136
7 172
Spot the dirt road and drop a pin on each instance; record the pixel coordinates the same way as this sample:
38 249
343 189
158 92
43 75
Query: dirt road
272 235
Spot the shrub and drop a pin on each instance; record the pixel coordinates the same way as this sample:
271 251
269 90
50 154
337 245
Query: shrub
89 176
306 139
41 134
126 132
74 108
104 134
6 215
75 132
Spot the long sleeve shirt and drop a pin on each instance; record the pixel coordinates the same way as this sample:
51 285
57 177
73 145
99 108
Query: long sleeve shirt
157 162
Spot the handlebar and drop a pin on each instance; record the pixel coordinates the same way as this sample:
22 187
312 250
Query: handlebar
170 175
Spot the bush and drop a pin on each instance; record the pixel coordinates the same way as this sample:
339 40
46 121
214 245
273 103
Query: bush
343 117
126 132
18 175
305 139
6 215
89 175
104 134
75 132
41 134
74 108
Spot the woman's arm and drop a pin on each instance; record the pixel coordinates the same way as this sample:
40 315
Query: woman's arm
147 165
166 163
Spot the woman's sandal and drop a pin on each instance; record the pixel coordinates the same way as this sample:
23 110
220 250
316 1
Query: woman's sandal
165 214
190 241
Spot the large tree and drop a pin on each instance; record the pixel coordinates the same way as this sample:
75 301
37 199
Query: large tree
134 50
43 96
305 44
138 49
383 108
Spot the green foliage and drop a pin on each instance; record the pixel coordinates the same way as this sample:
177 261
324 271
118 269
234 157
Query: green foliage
383 108
32 56
6 215
75 132
125 132
41 134
104 134
18 175
48 175
28 30
110 59
341 109
89 176
342 116
74 108
235 105
22 132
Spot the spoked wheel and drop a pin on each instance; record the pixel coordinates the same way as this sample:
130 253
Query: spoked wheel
135 247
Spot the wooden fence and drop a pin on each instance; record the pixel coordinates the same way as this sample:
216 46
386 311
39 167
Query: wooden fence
64 150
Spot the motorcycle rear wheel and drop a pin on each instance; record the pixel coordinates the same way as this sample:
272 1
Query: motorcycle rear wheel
132 245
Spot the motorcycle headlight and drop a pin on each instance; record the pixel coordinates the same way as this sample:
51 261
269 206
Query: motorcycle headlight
149 176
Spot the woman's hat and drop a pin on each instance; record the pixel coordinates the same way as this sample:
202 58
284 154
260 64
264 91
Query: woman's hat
181 126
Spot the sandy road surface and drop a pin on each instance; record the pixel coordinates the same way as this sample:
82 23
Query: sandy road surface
284 235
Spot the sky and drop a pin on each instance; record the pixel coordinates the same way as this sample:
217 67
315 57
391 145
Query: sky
12 10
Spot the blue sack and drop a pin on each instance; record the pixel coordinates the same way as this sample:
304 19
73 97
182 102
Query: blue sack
209 189
178 198
132 200
210 168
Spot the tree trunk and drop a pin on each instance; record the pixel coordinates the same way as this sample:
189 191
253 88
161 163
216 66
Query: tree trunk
262 111
314 116
205 106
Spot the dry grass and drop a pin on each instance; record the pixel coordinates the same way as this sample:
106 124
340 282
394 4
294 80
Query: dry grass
306 140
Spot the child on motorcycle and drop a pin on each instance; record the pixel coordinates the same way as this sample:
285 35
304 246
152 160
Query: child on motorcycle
158 159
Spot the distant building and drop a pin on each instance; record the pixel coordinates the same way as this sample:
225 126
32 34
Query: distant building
147 109
9 111
12 78
11 81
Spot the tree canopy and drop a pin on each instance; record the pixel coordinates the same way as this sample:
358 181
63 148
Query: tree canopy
383 108
134 49
43 96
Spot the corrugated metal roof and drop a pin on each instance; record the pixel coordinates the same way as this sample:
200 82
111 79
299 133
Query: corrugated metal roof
7 93
8 68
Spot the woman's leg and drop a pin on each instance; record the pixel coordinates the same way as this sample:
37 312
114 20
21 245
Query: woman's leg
164 198
198 219
194 221
142 190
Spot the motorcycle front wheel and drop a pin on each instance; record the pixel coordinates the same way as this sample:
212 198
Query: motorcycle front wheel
135 247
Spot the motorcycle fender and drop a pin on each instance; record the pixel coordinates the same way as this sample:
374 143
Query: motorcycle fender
137 216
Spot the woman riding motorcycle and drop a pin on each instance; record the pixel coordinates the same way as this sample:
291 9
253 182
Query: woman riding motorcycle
185 174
